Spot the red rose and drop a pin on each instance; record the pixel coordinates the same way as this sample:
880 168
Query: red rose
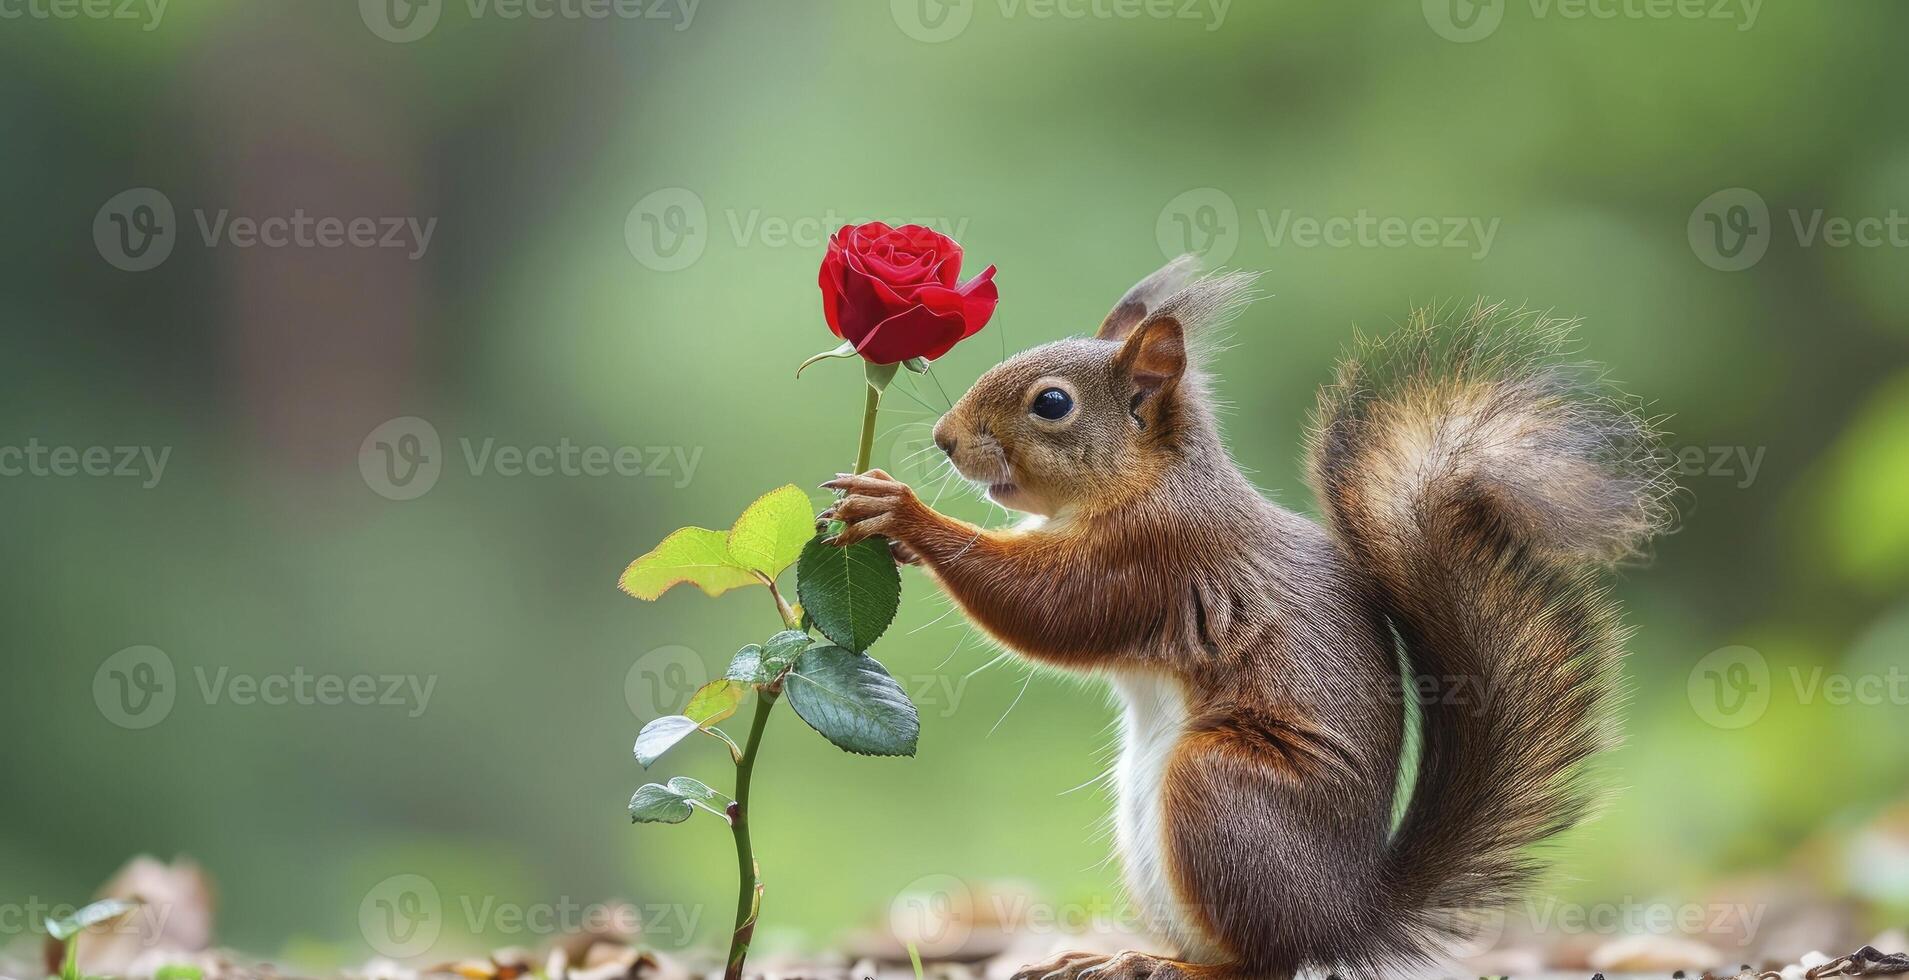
894 292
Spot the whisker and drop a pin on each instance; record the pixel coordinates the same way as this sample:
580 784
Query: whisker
937 619
952 472
1017 700
936 378
970 674
1103 777
911 456
957 647
910 392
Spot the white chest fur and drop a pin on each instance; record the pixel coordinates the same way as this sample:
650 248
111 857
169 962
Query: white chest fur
1155 719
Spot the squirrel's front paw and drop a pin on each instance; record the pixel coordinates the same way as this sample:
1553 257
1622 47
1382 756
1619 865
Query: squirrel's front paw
874 503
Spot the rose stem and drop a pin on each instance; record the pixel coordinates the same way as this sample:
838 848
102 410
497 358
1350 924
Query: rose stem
868 429
747 907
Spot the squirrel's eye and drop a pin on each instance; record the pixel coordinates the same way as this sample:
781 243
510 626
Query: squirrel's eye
1053 404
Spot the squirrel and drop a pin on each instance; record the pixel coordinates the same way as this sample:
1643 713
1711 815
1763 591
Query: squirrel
1474 488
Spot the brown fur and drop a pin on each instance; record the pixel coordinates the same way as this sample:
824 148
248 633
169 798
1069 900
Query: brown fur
1471 493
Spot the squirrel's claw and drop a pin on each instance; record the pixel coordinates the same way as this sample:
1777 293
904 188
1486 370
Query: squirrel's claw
1066 966
1120 966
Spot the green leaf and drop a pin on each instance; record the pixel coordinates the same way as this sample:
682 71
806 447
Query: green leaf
91 915
661 735
675 801
714 701
763 663
851 593
179 971
852 701
769 536
711 703
746 666
764 542
783 648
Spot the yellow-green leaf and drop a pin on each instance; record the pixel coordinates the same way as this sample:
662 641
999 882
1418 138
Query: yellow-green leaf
769 536
714 701
764 542
695 555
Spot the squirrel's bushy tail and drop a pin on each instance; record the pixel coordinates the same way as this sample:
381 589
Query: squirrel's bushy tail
1485 484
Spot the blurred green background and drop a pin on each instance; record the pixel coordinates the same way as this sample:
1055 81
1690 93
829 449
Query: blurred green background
628 215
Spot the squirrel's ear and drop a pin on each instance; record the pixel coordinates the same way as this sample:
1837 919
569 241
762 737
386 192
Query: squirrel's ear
1146 296
1154 355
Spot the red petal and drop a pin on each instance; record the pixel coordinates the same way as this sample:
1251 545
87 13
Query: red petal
918 332
979 297
830 279
866 302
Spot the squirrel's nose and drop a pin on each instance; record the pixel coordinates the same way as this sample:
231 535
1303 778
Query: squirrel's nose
947 443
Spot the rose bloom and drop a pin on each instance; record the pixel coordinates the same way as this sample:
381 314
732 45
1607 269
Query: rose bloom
895 293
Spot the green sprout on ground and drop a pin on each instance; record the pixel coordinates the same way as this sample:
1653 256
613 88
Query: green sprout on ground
67 931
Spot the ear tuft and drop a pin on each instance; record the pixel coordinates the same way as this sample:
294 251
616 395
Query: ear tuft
1207 304
1146 296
